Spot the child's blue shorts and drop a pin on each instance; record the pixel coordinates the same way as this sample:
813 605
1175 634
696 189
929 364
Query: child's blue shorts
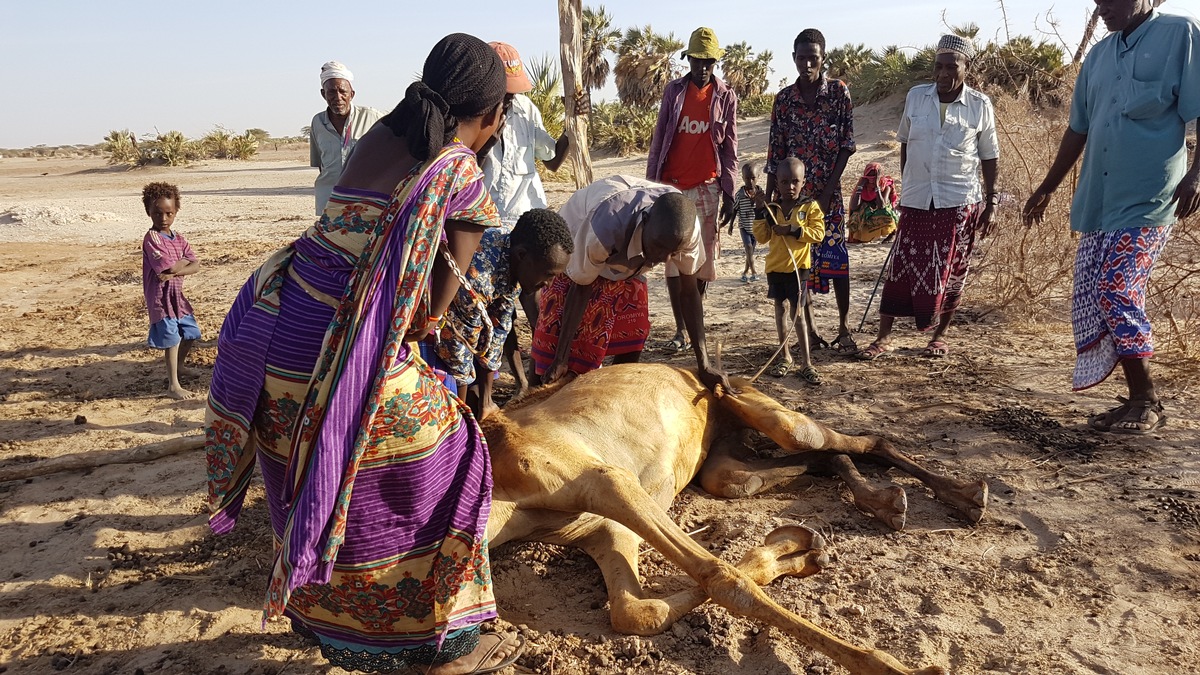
170 332
748 238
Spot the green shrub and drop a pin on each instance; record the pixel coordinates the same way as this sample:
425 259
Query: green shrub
242 147
120 147
547 93
172 149
621 128
218 143
756 106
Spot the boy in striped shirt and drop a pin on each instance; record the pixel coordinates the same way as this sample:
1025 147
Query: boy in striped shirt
166 259
743 206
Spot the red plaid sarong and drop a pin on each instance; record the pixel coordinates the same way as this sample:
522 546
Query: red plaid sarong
616 321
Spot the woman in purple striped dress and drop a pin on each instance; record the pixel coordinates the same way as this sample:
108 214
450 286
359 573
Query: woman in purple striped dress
377 478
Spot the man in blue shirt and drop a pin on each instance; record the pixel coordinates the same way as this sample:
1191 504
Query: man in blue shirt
1138 89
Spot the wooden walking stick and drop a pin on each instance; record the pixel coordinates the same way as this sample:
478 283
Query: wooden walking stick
81 461
886 263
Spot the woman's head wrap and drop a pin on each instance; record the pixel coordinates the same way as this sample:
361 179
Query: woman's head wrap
876 181
462 78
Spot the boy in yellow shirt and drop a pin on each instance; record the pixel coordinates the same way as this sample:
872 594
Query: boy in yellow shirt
789 228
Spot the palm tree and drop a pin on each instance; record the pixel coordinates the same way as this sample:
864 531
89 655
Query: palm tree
547 92
645 64
599 38
744 72
847 62
969 30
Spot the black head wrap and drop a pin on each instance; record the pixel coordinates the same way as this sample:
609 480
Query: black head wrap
463 78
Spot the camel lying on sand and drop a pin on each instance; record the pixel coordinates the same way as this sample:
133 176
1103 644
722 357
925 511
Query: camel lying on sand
596 463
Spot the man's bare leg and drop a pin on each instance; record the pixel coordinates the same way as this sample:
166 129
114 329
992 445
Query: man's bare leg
512 354
1143 412
673 289
841 291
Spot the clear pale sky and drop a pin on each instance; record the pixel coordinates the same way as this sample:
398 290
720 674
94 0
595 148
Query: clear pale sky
76 69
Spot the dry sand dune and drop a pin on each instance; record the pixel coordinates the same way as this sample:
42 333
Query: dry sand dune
1086 563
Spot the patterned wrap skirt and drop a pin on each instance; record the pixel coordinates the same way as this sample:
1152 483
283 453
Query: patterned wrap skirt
1108 308
930 261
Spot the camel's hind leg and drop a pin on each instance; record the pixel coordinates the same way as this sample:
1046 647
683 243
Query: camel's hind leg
788 551
795 432
570 485
728 472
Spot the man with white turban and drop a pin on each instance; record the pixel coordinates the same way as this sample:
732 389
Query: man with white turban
335 130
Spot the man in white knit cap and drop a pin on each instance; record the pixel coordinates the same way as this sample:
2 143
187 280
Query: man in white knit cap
336 129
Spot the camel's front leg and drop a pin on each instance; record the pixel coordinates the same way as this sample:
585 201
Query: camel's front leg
615 493
788 551
888 504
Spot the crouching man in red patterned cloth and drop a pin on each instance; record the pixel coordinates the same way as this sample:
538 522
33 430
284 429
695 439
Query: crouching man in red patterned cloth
622 227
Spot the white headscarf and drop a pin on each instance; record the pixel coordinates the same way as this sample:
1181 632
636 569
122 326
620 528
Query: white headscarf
335 71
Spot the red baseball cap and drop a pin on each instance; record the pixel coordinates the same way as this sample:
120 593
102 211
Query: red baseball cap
514 68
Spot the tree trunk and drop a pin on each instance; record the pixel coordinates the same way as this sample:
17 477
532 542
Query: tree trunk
1088 31
570 26
91 460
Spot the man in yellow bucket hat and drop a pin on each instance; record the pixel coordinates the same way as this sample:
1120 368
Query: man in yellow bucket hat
694 148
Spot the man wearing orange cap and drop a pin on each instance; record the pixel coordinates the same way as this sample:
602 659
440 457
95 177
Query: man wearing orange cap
510 173
694 149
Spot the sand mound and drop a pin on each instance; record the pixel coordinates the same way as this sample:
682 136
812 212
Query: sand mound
38 222
54 216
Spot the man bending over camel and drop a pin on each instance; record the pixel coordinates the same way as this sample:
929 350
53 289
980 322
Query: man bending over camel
622 227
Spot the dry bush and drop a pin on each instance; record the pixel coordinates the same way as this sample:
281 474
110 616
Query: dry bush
1174 296
1027 272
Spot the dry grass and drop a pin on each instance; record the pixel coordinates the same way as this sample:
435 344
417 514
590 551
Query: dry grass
1027 272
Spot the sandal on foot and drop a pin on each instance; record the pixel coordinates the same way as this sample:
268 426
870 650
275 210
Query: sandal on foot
512 658
780 369
809 375
844 344
816 342
1141 418
1104 421
872 352
676 345
936 349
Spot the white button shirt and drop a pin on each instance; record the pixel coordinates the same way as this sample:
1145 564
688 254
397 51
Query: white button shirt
328 149
942 160
510 173
609 212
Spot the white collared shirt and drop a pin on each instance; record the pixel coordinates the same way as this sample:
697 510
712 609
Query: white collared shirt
606 210
328 149
510 173
942 160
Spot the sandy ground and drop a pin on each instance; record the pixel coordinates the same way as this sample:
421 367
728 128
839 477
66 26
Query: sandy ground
1086 563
